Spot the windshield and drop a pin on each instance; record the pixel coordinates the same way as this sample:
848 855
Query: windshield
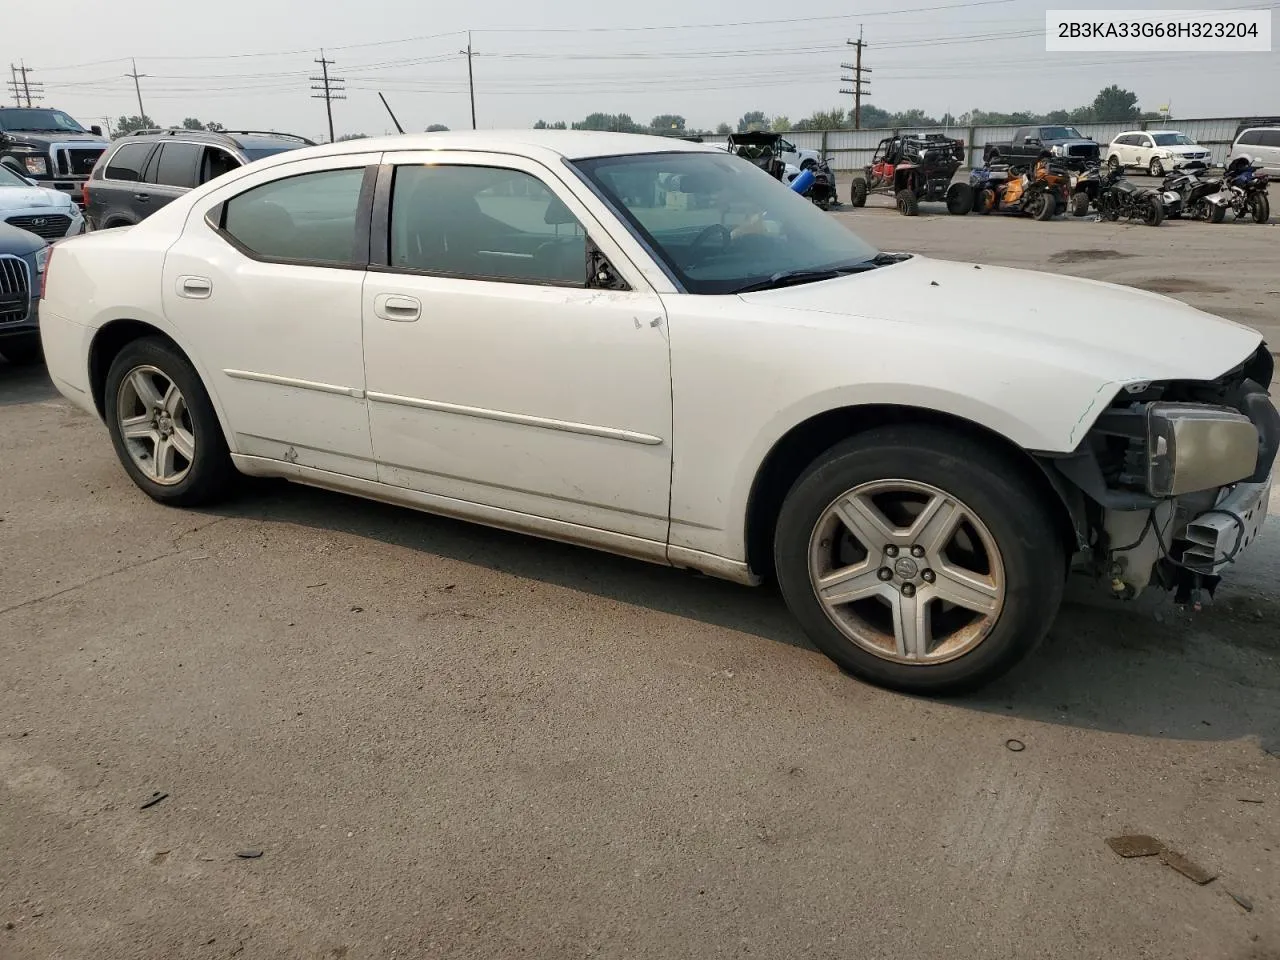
10 179
1172 140
1060 133
257 153
39 121
720 223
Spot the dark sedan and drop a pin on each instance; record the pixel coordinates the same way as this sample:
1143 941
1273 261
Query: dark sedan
23 256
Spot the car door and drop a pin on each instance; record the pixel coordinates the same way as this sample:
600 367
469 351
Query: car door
170 172
496 376
111 199
264 284
1145 151
1267 149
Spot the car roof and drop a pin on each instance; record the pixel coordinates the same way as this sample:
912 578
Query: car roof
541 144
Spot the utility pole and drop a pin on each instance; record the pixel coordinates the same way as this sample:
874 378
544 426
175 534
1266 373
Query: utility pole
471 80
858 89
24 89
136 88
330 89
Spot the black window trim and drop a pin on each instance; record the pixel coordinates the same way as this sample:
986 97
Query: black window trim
380 234
216 218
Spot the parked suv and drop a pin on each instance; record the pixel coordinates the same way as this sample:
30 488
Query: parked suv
1259 144
1157 152
140 172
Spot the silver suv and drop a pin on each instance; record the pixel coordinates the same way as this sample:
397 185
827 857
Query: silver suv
142 171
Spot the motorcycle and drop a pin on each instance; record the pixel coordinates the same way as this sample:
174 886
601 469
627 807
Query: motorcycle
1119 198
1246 182
822 188
1192 191
1040 192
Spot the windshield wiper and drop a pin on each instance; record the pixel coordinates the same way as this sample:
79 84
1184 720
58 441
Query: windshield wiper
789 278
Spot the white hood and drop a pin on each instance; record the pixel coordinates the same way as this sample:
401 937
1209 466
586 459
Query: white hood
32 198
1118 334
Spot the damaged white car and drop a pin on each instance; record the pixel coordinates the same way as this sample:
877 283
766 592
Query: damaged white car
648 347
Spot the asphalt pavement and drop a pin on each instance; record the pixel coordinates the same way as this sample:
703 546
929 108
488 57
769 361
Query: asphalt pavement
302 725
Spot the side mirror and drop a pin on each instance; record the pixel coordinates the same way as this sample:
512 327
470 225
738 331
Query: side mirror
600 272
96 130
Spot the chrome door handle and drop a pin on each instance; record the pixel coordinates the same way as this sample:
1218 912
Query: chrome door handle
195 288
392 306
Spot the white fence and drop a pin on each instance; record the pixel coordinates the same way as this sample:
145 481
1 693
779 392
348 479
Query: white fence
852 149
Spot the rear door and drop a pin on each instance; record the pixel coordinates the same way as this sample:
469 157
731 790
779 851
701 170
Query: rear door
1268 149
170 172
111 198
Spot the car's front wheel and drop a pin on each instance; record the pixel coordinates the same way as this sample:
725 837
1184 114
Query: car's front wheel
1156 168
919 560
163 425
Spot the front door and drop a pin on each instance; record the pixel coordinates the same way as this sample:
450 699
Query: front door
496 375
266 281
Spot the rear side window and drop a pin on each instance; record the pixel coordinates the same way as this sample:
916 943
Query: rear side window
126 163
310 217
176 166
1269 138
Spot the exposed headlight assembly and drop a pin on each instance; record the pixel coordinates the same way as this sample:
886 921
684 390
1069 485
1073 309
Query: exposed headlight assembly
37 165
1192 447
42 259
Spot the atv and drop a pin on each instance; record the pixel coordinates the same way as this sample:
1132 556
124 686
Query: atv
916 168
760 148
1039 191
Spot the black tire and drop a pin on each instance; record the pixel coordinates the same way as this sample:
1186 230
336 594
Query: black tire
1153 216
959 199
908 203
1217 212
211 475
1114 163
992 486
858 192
22 351
1080 203
1260 207
985 201
1155 168
1044 206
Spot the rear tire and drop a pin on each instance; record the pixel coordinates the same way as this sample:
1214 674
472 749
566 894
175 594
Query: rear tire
1079 204
1114 163
908 203
22 351
1217 213
1153 216
1260 207
858 193
1044 206
986 201
1012 557
191 473
959 199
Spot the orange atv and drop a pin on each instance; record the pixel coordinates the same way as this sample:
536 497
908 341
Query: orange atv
1040 191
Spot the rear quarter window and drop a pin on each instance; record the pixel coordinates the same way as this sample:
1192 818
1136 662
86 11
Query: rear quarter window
308 218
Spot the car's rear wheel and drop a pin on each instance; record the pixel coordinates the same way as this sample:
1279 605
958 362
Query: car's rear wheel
858 193
22 351
1114 163
163 425
959 199
908 203
919 560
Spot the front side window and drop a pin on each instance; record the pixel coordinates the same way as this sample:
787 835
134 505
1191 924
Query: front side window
719 224
176 166
126 163
1269 138
309 217
485 223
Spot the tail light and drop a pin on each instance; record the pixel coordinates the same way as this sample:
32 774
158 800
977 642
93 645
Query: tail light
48 265
84 195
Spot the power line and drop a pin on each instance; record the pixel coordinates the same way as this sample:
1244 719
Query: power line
331 89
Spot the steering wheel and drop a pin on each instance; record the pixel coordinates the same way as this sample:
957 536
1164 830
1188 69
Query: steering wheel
726 237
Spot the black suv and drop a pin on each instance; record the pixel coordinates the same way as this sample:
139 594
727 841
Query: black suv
142 171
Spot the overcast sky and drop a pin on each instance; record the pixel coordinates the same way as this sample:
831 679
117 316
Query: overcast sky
246 63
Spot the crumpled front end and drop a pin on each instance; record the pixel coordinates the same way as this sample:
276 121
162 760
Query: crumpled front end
1174 479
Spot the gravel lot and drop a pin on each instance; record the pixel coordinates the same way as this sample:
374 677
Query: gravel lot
452 742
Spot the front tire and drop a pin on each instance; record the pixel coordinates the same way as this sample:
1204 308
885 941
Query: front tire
858 193
1079 204
1044 206
1156 168
163 425
1260 207
1114 163
908 203
1153 216
1217 213
919 560
959 199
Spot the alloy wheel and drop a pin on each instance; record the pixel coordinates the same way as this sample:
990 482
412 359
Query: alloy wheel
907 572
155 425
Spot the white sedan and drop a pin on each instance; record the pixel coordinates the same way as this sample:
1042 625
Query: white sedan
50 214
645 346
